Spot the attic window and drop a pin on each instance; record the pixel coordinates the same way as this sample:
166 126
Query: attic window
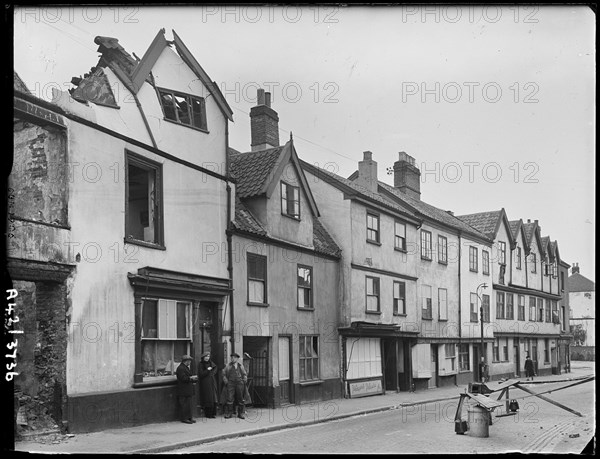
183 108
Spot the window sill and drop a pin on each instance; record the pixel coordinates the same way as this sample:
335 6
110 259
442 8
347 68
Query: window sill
485 274
445 263
372 312
259 305
426 318
398 249
165 382
290 216
473 270
187 126
398 314
426 258
149 245
311 383
304 309
370 241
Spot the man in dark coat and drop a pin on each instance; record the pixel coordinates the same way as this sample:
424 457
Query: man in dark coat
207 385
185 389
529 370
235 377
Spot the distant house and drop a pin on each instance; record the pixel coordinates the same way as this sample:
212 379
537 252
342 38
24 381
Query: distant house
582 298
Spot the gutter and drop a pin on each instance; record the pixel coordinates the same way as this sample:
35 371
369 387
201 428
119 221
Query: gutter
229 242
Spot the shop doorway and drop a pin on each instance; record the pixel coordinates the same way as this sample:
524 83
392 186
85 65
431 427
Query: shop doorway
256 359
433 381
390 358
285 370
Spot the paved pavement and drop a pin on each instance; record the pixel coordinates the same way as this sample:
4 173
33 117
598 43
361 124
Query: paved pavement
162 437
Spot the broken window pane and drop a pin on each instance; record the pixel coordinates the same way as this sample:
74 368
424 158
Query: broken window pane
198 113
168 104
143 203
183 109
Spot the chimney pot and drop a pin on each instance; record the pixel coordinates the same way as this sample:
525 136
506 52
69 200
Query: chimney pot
260 97
536 222
367 156
529 220
264 123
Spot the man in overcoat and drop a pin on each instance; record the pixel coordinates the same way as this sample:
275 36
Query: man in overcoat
185 389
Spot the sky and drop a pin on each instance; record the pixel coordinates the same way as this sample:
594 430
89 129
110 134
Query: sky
495 103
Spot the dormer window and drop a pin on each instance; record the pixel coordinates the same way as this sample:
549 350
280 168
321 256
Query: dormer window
183 108
290 200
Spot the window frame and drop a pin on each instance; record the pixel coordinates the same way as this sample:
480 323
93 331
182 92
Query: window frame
311 307
518 258
401 298
426 248
533 257
509 311
474 310
485 262
284 198
263 259
485 306
502 252
464 357
401 248
139 161
302 377
189 100
188 340
473 259
532 307
376 294
521 308
377 218
427 306
540 308
500 305
443 246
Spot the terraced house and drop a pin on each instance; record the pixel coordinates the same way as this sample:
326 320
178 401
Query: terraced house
113 206
528 297
285 272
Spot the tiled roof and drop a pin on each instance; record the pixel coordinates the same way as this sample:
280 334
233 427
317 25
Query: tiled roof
323 241
485 222
579 283
251 170
246 222
435 213
514 227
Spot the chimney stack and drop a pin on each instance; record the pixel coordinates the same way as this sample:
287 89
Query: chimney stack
264 123
529 220
367 172
575 268
407 176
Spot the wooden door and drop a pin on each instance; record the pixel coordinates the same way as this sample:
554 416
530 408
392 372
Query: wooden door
284 369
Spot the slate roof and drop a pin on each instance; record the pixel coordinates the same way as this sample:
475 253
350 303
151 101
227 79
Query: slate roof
485 222
251 170
579 283
435 213
529 229
330 176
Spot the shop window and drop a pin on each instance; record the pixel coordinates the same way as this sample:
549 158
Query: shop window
364 358
463 357
166 336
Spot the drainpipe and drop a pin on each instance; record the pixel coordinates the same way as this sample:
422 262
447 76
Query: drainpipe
229 242
459 291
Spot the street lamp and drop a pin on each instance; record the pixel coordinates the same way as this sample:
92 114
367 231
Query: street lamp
482 354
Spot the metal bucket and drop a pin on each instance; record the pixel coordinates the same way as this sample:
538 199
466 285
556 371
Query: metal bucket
479 422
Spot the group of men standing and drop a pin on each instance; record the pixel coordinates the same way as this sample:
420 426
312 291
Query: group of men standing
234 379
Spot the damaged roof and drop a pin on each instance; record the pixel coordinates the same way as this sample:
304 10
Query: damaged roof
94 86
19 85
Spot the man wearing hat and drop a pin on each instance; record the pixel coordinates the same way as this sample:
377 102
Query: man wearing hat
185 389
234 378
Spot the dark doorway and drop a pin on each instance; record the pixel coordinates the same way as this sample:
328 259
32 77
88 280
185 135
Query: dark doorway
390 358
517 357
256 360
476 359
433 381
